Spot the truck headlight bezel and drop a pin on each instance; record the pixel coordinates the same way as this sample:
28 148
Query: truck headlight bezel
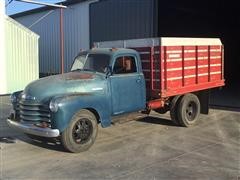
53 106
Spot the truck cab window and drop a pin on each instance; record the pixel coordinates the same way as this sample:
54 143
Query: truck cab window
91 62
124 65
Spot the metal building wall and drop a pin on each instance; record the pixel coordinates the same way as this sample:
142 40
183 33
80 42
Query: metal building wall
3 81
21 49
76 31
125 19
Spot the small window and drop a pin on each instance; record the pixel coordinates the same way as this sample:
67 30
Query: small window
124 65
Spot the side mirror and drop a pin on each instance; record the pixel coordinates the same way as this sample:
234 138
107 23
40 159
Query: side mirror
108 71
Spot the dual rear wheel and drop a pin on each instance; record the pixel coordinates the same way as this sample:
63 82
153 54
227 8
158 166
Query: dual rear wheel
185 110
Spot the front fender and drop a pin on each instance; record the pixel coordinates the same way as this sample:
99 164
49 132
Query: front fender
71 104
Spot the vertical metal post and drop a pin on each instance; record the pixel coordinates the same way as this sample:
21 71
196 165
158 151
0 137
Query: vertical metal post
160 59
183 67
61 41
196 64
222 61
209 63
165 67
151 66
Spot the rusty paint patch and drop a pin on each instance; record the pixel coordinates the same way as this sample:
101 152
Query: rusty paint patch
75 76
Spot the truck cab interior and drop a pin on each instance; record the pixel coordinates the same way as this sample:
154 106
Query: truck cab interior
124 64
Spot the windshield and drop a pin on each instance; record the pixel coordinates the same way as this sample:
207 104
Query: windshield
91 62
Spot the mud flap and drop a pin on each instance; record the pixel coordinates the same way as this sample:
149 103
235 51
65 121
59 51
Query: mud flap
204 101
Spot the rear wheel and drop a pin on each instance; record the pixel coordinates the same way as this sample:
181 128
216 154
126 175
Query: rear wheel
81 133
188 110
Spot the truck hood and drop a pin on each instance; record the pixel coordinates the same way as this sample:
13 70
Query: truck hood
79 82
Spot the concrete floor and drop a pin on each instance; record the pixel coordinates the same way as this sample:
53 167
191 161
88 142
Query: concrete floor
151 148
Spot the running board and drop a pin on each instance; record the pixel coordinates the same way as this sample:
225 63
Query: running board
119 119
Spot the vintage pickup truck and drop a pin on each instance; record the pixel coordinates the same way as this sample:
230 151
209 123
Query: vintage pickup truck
117 78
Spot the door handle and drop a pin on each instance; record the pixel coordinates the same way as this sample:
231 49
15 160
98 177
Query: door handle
138 80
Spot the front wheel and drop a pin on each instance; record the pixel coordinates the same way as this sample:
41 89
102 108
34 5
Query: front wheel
81 133
188 110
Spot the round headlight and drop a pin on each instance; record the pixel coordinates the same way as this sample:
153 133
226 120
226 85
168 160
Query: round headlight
53 106
23 96
13 98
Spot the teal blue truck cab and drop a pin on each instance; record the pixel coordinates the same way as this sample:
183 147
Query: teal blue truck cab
103 83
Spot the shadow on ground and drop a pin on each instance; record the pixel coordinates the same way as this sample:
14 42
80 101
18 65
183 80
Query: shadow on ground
55 144
157 120
46 143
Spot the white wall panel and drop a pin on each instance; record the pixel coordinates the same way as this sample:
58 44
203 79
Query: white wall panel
21 47
3 79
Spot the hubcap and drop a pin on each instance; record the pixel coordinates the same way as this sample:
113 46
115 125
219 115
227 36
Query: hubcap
191 111
82 131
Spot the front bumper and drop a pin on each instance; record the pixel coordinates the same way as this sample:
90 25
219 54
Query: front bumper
30 128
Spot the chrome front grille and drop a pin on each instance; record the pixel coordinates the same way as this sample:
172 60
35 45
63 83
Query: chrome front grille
34 112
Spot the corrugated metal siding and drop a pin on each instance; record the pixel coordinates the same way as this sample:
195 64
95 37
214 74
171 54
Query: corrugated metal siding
3 81
76 30
126 19
21 55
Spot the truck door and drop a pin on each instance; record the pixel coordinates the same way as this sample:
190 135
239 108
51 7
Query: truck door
127 85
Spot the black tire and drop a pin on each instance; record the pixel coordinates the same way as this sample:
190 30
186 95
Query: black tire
188 110
81 133
174 108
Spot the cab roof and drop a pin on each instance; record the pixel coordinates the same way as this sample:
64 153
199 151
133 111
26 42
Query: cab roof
111 51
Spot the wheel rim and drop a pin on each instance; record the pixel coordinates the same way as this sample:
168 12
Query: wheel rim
191 111
82 131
